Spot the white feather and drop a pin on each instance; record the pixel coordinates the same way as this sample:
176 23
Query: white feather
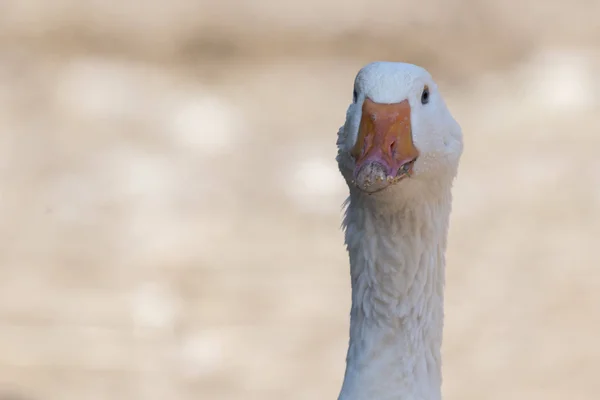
396 240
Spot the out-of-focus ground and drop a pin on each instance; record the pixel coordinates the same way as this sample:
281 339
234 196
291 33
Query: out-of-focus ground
170 202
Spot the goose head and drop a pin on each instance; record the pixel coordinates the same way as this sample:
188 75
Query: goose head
399 138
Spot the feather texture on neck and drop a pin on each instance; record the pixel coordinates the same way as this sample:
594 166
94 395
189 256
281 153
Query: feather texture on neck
397 272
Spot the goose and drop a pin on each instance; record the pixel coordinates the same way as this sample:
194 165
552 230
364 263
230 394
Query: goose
398 151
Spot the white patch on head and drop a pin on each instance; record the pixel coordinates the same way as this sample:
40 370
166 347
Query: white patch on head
388 82
436 134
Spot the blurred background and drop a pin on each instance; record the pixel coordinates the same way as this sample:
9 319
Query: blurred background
170 206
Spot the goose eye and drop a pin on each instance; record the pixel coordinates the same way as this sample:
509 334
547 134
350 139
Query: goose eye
425 95
354 96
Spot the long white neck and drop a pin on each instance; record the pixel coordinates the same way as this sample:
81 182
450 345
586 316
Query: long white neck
397 269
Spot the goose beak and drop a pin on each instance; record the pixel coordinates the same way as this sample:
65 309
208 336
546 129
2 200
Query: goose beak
384 151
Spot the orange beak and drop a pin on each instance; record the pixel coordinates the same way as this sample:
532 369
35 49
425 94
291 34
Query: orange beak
385 138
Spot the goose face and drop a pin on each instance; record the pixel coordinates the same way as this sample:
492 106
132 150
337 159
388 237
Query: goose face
398 131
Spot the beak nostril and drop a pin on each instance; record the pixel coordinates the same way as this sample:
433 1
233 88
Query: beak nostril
393 148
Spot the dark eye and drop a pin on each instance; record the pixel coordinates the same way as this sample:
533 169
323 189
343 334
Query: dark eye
425 96
354 96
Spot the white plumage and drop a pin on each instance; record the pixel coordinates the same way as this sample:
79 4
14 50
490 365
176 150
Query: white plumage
399 151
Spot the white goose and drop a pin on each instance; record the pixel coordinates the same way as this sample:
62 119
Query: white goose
399 151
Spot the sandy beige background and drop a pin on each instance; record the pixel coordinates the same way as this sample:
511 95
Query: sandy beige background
170 204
